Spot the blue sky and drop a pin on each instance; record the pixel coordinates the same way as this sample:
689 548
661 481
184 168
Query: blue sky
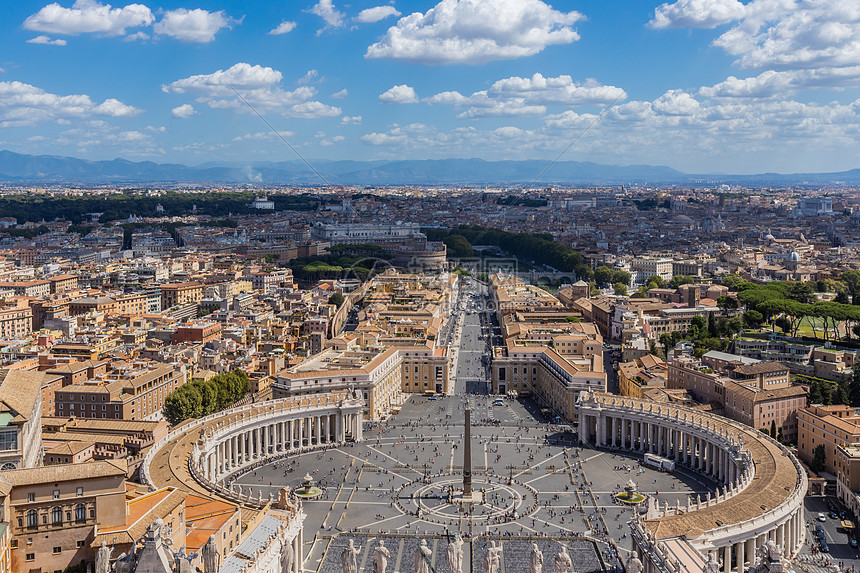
699 85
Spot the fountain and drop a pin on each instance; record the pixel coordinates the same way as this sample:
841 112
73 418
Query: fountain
630 496
308 490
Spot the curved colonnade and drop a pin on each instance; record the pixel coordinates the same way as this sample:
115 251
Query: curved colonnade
760 498
200 456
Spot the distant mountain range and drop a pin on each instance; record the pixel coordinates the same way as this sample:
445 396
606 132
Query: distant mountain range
22 169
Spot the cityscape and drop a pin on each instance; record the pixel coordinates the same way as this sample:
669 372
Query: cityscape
419 287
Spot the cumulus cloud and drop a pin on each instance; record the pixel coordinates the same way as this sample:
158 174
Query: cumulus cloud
263 136
350 120
340 94
284 27
89 17
476 32
376 14
326 10
196 25
183 111
697 14
46 41
25 104
528 96
258 85
399 94
796 34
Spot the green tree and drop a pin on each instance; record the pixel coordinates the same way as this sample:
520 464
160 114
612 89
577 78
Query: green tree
640 293
780 437
773 429
727 303
655 281
619 276
840 395
801 292
620 289
458 246
852 283
854 388
815 396
336 299
819 459
753 318
602 275
679 280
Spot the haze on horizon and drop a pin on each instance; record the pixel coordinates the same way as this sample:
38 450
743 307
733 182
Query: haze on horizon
702 86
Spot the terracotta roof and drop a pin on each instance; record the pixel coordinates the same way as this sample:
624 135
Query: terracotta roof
19 392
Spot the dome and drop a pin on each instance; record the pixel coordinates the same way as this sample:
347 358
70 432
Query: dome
794 256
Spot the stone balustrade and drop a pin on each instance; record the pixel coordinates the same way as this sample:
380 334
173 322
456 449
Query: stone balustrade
760 496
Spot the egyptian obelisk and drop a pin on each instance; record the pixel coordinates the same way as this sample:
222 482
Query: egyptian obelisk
467 456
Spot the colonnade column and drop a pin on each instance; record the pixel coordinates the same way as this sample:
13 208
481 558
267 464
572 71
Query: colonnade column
740 557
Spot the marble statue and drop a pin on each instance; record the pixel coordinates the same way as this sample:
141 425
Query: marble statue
634 565
422 557
711 566
380 558
563 562
103 558
348 556
493 558
287 556
535 559
455 555
211 556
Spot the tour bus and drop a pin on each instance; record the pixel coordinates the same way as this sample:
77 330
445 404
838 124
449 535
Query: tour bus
659 463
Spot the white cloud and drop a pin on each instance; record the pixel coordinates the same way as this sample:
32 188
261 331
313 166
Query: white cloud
476 31
697 14
376 14
196 25
264 136
528 96
25 104
350 120
46 41
89 17
284 27
676 102
310 76
559 90
259 86
142 36
340 94
399 94
325 9
183 111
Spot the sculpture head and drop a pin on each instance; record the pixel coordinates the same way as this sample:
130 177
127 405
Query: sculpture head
381 544
351 544
423 543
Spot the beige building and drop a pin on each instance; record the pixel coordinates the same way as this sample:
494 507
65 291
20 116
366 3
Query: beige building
173 294
830 426
20 419
54 512
637 377
127 391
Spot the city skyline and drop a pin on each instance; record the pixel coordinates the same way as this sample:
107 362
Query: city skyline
703 87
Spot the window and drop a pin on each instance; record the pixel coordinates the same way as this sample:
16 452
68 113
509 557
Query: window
9 440
31 497
58 550
56 494
32 518
31 557
80 513
79 492
57 515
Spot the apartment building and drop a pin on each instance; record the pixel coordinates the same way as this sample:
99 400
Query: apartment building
755 393
63 283
173 294
32 288
830 426
20 419
637 377
644 268
54 512
128 391
15 322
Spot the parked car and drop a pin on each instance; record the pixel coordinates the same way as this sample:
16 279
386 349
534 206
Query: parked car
822 517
